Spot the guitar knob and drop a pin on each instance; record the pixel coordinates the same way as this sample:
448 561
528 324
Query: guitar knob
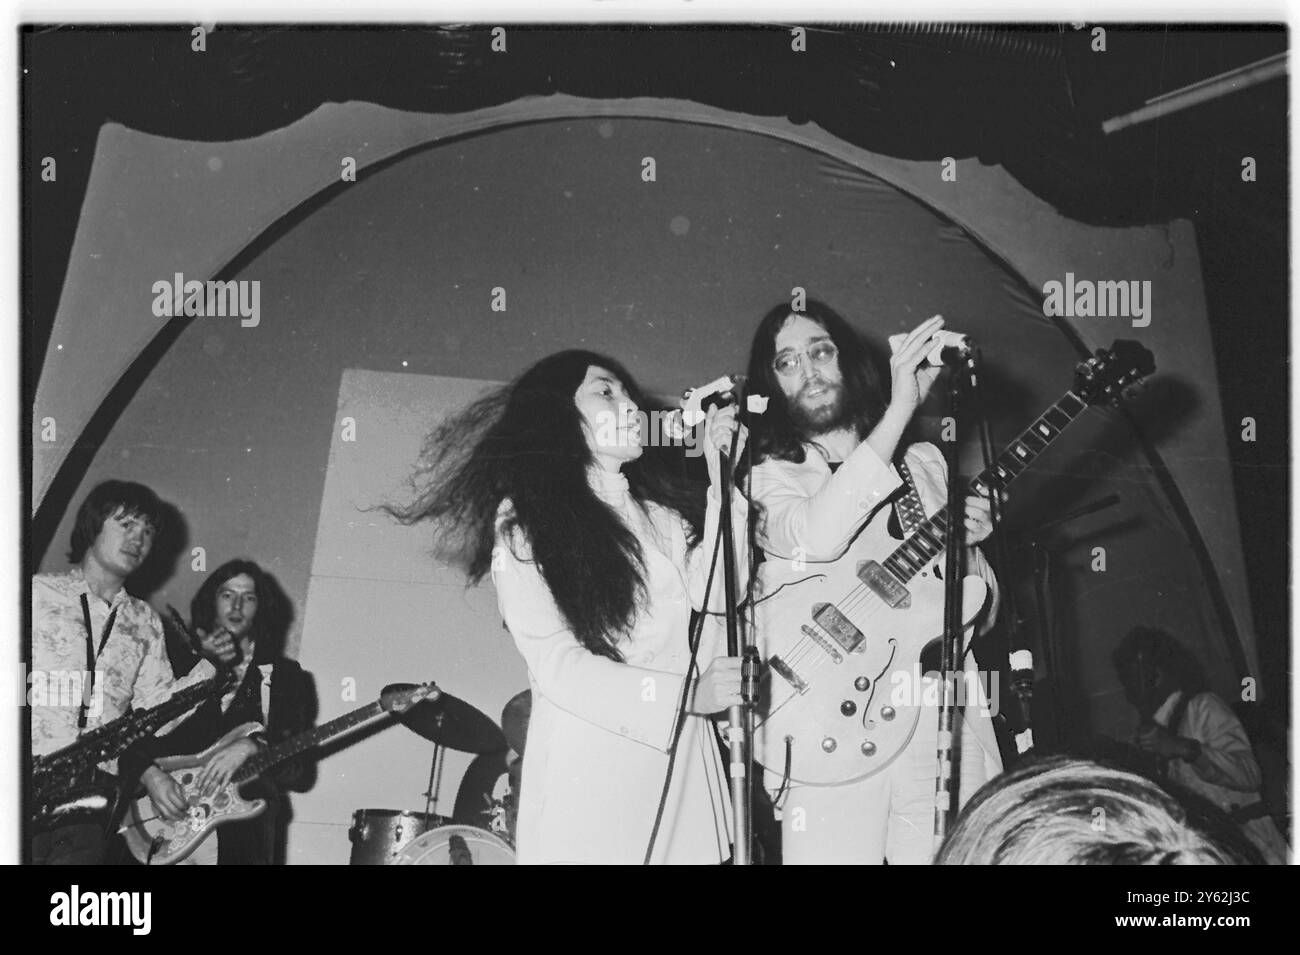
862 683
887 713
848 707
868 748
828 744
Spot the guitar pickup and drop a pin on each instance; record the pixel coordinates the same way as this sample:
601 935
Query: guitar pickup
840 628
884 585
822 642
787 674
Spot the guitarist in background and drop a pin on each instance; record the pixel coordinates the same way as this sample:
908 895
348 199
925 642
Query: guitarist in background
831 464
1197 739
239 622
84 622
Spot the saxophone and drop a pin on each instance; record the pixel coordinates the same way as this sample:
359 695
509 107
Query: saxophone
65 782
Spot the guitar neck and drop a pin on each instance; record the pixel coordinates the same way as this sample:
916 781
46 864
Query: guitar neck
112 738
260 763
931 537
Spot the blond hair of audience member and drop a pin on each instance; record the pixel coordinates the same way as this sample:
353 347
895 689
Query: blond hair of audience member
1064 811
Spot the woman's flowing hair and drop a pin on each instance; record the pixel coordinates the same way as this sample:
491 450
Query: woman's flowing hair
774 432
525 444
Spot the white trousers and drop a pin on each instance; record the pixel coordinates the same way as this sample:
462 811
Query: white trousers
890 816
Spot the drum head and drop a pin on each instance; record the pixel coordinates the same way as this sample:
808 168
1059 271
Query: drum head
456 845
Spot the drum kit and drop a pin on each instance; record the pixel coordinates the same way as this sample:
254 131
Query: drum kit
482 829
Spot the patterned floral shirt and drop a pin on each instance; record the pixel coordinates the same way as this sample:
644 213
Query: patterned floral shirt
132 670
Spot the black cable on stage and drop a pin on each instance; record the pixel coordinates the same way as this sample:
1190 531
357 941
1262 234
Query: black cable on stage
693 639
750 543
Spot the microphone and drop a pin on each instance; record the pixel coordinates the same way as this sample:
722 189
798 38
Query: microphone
950 348
725 396
718 393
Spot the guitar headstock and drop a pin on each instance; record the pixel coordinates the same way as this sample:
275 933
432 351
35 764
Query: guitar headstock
400 697
1103 378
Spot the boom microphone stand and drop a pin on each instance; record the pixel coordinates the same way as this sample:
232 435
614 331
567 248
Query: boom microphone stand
954 571
740 718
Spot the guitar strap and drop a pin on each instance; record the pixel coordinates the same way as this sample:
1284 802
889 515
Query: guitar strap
908 506
91 656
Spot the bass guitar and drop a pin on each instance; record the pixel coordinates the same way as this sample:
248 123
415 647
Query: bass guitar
836 637
155 841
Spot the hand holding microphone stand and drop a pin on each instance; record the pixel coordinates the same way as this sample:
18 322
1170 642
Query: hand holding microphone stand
740 717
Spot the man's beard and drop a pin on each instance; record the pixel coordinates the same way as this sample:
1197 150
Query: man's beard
831 416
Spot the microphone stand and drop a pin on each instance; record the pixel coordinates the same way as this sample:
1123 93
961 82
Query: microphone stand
954 570
740 718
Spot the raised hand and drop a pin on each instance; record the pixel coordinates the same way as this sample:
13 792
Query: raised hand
910 381
218 646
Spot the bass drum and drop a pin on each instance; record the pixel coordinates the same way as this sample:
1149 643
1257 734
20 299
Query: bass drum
457 845
378 835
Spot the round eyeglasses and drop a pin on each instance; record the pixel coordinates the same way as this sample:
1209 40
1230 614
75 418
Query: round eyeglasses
787 363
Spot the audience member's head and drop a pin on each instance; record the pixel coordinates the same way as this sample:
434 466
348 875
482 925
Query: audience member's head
1060 810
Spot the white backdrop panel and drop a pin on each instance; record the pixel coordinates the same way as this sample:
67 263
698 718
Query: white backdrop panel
380 611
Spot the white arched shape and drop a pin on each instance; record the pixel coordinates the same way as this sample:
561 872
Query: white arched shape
206 202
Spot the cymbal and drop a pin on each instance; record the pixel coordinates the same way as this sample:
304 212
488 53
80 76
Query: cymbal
514 719
455 724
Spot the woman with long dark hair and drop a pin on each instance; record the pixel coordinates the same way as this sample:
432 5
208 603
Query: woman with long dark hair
594 548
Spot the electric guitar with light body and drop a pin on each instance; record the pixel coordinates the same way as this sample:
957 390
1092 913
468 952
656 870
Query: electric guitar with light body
838 637
155 841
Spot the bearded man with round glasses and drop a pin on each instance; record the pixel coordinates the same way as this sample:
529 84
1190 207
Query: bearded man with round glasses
830 455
